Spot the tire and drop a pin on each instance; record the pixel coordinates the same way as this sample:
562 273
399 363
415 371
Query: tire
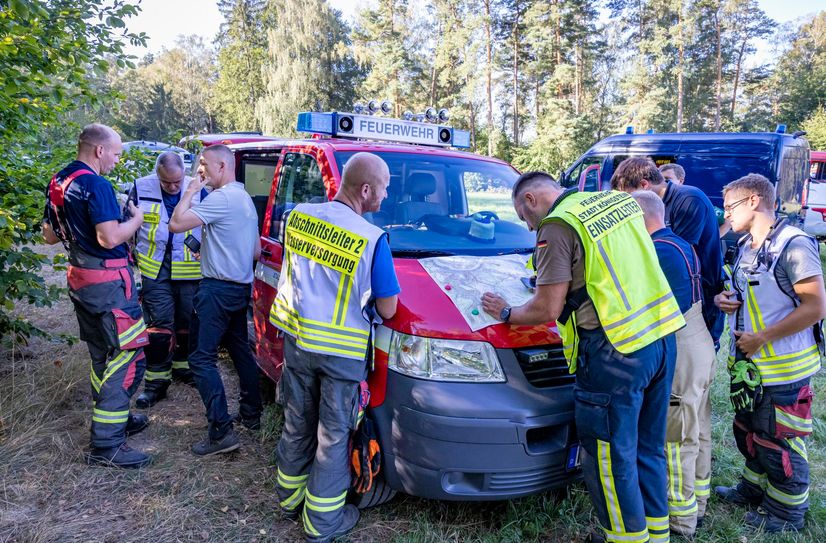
378 494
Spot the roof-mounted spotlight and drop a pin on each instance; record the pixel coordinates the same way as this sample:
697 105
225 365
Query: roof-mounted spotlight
629 129
372 107
430 114
358 108
444 115
781 129
407 115
386 106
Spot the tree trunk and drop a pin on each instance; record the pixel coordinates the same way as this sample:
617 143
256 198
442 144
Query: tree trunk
489 76
516 79
740 54
719 89
578 71
558 39
680 61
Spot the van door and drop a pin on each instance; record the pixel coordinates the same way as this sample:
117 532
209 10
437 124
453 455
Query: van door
298 179
256 171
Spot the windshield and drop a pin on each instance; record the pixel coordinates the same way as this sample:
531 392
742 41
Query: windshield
448 205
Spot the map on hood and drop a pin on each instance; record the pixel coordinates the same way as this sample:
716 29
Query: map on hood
465 278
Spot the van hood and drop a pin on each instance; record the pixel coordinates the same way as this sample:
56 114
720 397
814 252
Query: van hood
424 309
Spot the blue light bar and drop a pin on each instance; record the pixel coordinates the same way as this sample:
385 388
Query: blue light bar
370 127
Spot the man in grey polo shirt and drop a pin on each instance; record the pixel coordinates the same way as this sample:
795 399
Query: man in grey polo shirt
229 247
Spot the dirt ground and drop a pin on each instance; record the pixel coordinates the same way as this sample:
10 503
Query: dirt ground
48 494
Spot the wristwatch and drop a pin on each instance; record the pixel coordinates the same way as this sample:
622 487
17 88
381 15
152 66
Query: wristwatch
505 314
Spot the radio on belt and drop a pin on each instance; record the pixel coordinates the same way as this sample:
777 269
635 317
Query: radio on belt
369 127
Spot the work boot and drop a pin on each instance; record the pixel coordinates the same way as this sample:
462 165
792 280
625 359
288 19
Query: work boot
349 518
120 457
208 447
732 495
771 524
253 424
184 377
150 397
292 514
136 424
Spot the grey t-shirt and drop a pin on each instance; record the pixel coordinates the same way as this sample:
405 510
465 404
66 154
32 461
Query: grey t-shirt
229 234
799 261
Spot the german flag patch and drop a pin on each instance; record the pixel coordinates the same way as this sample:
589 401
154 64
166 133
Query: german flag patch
542 244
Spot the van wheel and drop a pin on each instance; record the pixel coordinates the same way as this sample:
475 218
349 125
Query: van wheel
378 494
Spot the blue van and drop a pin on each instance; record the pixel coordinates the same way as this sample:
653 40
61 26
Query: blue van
711 160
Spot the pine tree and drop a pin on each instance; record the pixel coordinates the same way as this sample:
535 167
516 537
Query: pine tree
308 67
243 49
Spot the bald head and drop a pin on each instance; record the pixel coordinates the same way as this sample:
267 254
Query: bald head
653 209
99 147
364 182
217 166
222 153
95 134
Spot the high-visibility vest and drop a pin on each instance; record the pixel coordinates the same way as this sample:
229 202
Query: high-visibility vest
325 284
154 233
765 303
623 278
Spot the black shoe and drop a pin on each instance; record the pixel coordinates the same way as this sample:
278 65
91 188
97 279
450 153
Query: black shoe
291 514
771 524
732 495
700 521
119 457
184 377
595 536
208 446
148 398
253 424
349 518
136 424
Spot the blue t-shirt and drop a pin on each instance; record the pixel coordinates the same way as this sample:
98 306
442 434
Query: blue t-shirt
90 200
169 202
383 281
689 213
674 265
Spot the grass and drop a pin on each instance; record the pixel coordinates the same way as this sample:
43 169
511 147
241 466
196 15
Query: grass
47 494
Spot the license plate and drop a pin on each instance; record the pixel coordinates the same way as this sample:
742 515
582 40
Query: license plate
573 457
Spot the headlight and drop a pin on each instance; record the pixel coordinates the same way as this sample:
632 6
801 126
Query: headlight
444 359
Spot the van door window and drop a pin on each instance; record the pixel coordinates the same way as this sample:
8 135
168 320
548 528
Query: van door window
300 182
572 180
257 175
794 169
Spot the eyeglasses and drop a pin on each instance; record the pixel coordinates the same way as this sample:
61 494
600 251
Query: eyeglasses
729 207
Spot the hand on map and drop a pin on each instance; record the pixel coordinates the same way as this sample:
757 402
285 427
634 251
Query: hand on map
493 304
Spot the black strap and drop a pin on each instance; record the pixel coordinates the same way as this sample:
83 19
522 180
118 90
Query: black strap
573 302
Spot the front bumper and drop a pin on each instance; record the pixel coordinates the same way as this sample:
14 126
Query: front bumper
476 441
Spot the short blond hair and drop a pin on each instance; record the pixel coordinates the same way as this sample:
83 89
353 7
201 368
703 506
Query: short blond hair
754 183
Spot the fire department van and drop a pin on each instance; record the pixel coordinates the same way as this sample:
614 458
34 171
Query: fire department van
461 413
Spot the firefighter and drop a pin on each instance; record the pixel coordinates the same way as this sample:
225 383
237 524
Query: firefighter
688 423
340 280
83 213
169 276
617 335
775 304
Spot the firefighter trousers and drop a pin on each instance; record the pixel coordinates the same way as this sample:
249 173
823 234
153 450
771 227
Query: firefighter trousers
772 441
620 412
167 308
111 324
688 456
320 398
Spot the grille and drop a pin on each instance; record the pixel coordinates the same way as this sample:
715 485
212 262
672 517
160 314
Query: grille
544 366
529 481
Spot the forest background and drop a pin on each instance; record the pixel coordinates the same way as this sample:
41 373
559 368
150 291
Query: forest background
536 82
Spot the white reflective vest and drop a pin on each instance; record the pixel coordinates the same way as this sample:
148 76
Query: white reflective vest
154 234
765 303
325 282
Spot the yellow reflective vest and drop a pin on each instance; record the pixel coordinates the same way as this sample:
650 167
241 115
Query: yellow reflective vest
325 283
153 235
765 302
632 298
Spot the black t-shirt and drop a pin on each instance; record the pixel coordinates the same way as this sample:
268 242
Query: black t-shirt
89 200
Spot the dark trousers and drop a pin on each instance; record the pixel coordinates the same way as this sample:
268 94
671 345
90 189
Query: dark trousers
776 472
320 398
620 408
221 316
167 308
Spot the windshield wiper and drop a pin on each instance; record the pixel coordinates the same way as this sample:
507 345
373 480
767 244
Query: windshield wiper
423 253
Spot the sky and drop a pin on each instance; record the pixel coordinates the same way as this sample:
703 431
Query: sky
164 20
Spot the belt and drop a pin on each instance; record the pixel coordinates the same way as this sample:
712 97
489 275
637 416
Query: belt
89 262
